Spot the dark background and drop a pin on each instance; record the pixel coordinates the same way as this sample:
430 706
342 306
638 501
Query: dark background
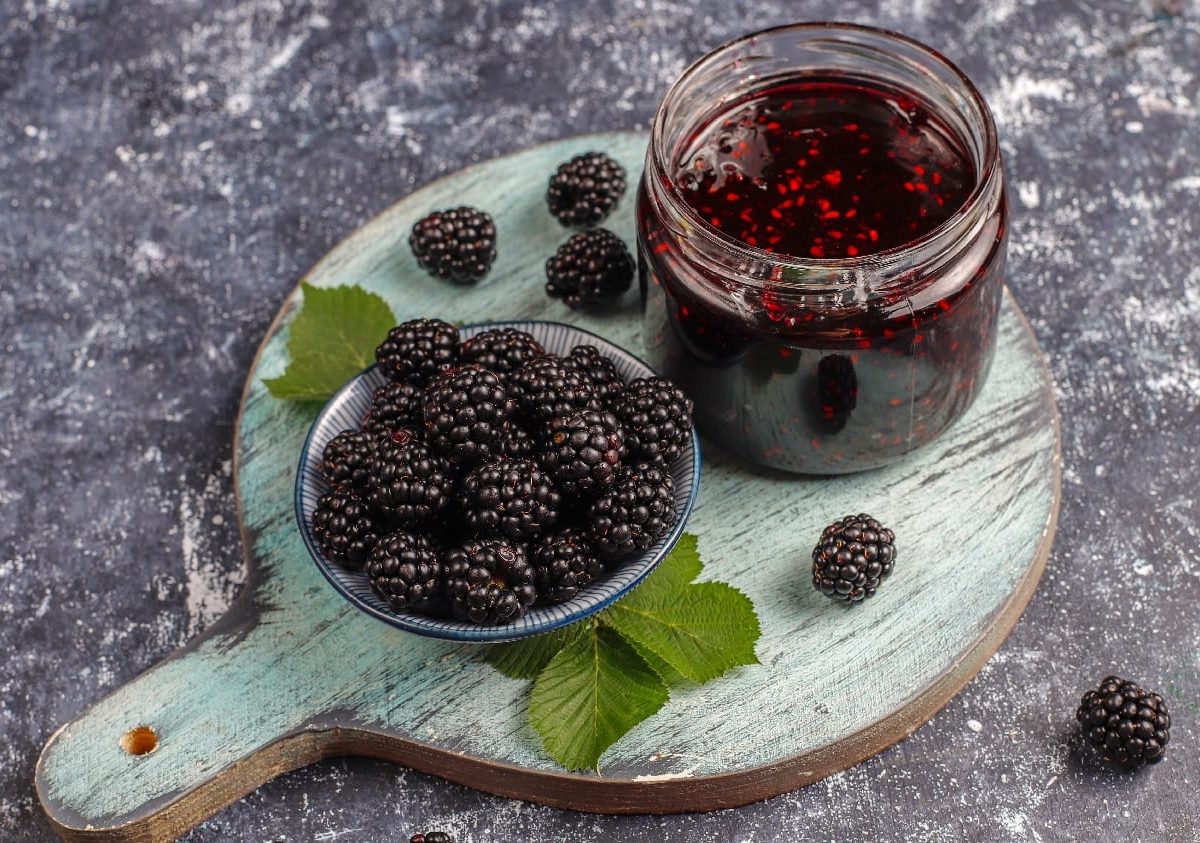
170 169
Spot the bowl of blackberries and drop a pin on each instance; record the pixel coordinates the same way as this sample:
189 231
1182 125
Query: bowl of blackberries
496 481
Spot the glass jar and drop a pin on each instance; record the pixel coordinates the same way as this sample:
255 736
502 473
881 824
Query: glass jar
813 363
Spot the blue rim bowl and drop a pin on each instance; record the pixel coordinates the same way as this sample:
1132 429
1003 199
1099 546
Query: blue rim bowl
344 411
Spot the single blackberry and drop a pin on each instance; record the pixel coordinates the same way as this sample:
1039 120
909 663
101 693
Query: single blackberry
582 451
417 350
393 406
550 386
600 370
503 350
407 483
837 391
466 411
657 419
431 837
584 190
344 460
517 443
489 581
457 245
590 268
635 512
563 564
343 527
510 498
852 558
1128 725
404 570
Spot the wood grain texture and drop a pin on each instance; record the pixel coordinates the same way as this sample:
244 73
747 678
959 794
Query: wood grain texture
293 673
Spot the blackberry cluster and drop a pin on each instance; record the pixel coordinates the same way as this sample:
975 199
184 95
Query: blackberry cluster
589 269
457 245
854 556
1128 725
489 475
431 837
584 190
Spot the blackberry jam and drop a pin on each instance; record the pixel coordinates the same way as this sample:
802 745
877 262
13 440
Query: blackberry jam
822 232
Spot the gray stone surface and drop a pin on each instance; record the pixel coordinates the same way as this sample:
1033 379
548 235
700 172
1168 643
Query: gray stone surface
169 169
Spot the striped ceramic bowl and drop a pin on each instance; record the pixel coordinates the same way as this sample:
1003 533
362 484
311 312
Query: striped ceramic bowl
347 408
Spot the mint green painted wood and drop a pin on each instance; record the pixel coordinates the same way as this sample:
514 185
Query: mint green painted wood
294 672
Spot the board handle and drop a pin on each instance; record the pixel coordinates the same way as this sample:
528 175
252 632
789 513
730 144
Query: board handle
191 735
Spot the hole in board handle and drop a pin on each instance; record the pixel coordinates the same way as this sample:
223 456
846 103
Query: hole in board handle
140 740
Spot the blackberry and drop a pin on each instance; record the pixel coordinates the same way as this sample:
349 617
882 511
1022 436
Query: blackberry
417 350
600 370
590 268
852 558
394 405
407 483
466 411
517 443
510 498
657 419
489 581
837 391
457 245
503 350
563 564
549 387
404 570
1128 725
431 837
343 528
635 512
584 190
344 460
582 451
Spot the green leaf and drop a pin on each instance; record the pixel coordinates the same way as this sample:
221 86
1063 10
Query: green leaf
332 339
681 566
591 693
666 673
701 630
525 658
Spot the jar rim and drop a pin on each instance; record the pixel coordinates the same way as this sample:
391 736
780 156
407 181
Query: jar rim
984 178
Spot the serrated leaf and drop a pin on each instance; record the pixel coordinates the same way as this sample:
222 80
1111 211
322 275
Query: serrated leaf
681 566
525 658
666 673
332 338
592 692
701 630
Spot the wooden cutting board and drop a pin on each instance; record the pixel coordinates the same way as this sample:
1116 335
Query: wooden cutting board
293 673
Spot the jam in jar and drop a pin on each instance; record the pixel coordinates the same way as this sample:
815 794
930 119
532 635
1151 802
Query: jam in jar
821 233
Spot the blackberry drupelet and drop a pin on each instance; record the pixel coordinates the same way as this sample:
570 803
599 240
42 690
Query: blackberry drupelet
837 391
600 370
489 581
343 528
549 387
657 419
457 245
564 563
1129 726
590 268
344 460
635 512
584 190
466 411
854 556
405 571
407 483
394 405
416 351
582 451
503 350
513 499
